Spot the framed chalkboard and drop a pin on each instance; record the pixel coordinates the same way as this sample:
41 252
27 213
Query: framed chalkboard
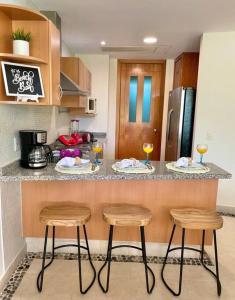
22 80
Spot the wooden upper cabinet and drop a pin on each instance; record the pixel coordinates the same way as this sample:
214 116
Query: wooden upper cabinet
74 68
55 97
186 70
44 50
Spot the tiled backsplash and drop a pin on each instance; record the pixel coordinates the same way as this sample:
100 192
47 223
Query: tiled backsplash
16 117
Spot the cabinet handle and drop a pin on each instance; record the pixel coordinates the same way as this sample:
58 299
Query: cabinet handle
60 92
169 123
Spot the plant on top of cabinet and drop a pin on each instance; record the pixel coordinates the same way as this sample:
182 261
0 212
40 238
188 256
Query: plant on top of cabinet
21 41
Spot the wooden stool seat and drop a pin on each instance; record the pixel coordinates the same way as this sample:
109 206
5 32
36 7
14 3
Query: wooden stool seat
191 218
127 215
65 215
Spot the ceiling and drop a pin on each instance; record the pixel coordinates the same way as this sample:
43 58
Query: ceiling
178 24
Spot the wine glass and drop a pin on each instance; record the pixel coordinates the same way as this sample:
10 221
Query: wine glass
97 148
202 149
148 148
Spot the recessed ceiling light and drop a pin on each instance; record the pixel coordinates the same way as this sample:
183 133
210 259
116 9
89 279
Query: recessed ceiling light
102 43
150 40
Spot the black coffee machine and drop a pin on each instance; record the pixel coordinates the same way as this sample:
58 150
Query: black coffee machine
33 151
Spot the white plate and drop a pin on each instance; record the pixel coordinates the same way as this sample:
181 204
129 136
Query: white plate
84 163
195 166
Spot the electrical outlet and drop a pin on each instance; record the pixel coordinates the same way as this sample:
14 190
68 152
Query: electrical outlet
16 144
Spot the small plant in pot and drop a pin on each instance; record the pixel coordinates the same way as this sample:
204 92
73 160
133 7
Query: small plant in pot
21 41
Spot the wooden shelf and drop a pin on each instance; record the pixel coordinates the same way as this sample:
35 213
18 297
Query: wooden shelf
44 50
21 58
14 102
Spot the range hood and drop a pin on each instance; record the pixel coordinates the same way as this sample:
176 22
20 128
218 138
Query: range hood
69 87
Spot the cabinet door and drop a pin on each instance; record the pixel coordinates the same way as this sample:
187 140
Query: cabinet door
89 77
82 75
178 73
54 53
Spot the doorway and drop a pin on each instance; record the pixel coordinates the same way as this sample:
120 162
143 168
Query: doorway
139 107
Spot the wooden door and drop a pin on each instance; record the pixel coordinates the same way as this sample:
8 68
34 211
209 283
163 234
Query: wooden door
140 109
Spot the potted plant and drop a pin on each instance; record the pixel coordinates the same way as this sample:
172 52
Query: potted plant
21 41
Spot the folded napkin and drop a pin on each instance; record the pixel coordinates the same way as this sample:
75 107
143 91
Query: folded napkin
129 163
185 162
66 162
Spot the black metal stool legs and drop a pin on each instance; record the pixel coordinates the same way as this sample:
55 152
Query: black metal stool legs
149 290
79 261
217 265
182 248
216 275
109 260
181 262
78 246
41 274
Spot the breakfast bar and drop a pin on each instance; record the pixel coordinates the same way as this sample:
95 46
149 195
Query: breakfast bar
160 191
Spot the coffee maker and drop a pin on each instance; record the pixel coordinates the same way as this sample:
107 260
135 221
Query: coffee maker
33 154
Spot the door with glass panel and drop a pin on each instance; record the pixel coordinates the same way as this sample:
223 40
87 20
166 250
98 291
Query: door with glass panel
140 109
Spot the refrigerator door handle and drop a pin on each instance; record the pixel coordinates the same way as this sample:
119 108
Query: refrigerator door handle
169 123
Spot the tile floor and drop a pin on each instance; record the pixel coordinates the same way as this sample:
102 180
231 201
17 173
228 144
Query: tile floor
127 278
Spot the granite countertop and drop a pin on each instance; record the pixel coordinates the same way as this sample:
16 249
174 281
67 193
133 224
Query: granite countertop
14 172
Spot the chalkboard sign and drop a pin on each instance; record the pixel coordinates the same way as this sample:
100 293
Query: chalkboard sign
22 80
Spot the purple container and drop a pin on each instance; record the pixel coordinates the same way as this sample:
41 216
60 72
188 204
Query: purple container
70 153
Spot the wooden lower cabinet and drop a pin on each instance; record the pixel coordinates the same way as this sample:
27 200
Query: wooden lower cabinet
158 195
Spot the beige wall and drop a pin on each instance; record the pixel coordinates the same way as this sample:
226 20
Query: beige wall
215 111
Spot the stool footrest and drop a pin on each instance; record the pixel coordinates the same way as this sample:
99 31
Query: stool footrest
79 247
182 248
109 260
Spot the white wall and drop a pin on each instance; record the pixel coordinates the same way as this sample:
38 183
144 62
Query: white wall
215 110
112 108
12 237
99 68
170 63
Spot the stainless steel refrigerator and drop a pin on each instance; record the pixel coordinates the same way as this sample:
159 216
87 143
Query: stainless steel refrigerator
181 109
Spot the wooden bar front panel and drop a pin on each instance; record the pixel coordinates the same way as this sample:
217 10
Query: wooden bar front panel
157 195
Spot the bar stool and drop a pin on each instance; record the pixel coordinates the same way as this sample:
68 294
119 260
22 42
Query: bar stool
126 215
68 216
190 218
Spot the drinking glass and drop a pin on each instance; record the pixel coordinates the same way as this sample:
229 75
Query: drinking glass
202 149
148 148
97 148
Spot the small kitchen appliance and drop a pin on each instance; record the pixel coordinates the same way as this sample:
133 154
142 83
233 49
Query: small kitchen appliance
91 105
34 152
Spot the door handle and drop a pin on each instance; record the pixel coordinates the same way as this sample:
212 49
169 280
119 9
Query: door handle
169 124
155 130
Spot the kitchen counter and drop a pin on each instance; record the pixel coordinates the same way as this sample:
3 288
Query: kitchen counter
160 192
14 172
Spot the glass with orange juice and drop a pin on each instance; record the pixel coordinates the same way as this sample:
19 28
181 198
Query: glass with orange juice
202 149
97 148
148 148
